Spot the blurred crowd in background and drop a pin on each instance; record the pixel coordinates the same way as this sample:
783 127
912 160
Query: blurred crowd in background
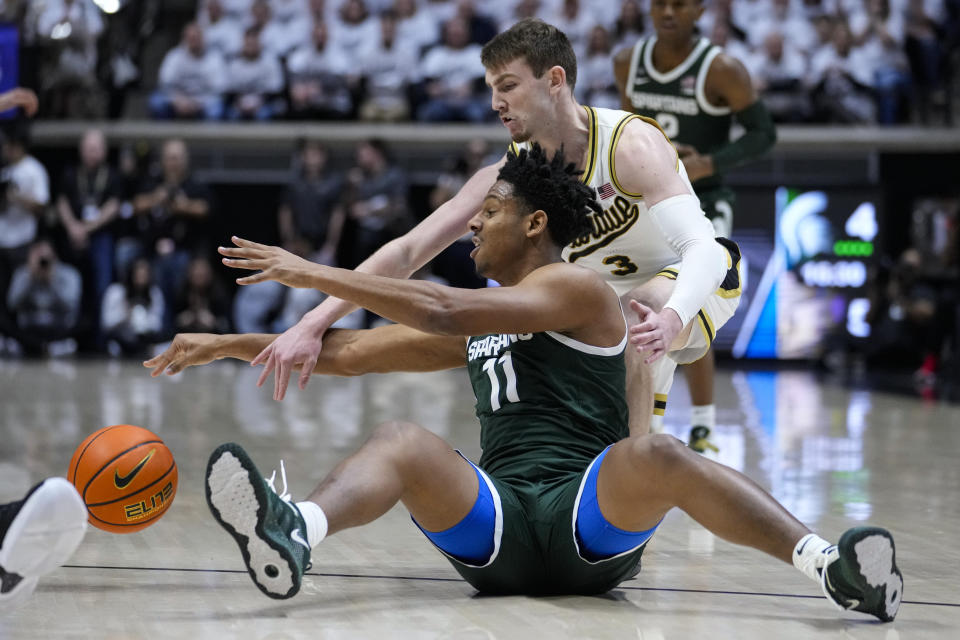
863 61
116 253
117 257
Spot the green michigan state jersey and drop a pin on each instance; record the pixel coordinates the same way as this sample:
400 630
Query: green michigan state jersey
677 100
547 403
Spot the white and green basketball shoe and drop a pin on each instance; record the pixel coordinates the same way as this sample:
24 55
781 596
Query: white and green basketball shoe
863 576
268 528
38 534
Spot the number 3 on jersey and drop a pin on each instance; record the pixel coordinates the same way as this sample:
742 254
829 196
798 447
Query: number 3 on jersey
490 367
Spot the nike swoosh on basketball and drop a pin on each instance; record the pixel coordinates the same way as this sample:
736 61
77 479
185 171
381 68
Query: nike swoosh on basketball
296 536
121 482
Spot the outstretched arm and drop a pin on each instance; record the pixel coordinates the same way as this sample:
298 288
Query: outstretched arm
554 297
398 258
347 353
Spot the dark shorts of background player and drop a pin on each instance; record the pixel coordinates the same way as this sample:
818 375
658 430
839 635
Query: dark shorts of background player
538 554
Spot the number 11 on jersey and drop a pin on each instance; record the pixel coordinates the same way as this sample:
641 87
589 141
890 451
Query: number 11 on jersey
490 367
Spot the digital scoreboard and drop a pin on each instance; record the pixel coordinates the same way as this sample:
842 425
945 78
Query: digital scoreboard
809 270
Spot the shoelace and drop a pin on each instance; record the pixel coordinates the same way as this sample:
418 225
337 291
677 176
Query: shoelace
283 495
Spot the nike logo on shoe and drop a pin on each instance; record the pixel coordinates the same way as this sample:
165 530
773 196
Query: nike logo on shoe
121 482
297 537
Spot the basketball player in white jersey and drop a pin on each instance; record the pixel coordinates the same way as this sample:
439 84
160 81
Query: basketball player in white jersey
39 532
652 229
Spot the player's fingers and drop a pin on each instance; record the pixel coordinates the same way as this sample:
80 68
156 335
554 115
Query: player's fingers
250 244
263 355
282 379
254 279
253 264
642 310
268 367
305 372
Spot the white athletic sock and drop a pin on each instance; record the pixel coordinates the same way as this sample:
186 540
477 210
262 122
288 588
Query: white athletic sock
656 424
811 554
703 415
316 521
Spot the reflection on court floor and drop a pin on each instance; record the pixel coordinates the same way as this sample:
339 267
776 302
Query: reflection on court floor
833 456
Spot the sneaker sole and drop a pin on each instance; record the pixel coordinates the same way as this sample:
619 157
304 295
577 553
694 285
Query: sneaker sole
46 531
237 499
870 556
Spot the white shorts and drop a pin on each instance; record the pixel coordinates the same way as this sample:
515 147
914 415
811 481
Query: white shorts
718 308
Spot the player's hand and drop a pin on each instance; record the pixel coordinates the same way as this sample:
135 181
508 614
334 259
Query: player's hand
19 97
697 166
298 345
273 263
655 332
186 350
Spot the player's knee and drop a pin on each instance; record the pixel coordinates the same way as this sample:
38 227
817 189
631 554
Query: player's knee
646 295
399 434
404 440
660 452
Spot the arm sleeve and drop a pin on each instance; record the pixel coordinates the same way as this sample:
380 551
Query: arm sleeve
703 263
758 137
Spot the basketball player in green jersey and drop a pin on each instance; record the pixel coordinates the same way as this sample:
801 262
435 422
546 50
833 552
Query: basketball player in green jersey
650 230
695 91
39 532
562 501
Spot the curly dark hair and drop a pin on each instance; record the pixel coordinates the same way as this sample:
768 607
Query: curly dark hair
553 186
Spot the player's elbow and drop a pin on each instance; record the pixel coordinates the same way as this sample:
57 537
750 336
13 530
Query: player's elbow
447 315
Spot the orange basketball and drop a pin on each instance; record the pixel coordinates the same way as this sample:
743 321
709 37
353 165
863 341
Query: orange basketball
126 476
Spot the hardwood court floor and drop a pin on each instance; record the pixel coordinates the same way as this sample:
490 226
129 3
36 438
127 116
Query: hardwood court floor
834 457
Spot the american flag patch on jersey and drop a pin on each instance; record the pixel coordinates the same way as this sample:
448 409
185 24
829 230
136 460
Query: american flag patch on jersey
606 191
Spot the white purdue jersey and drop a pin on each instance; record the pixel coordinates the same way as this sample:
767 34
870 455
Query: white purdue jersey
626 246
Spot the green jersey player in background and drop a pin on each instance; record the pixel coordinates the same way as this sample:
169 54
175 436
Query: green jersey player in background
696 92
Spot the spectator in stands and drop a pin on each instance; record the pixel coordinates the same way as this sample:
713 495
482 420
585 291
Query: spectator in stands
785 17
453 77
454 263
375 201
574 21
254 82
415 26
191 80
132 312
778 71
629 25
44 299
596 85
235 10
441 10
838 82
907 318
389 66
722 36
202 306
67 32
88 204
355 30
926 51
880 34
221 33
482 27
310 212
24 194
319 83
176 207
